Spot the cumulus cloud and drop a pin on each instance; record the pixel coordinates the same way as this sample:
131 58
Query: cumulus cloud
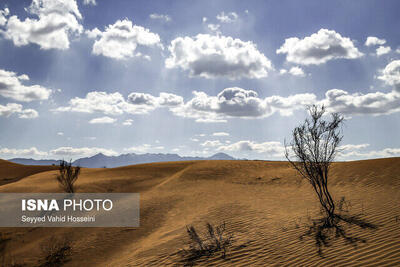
211 56
102 102
220 134
234 102
318 48
102 120
214 28
295 71
115 104
383 153
372 41
377 103
239 103
351 147
13 108
141 99
3 16
120 40
11 87
81 151
228 17
127 122
12 152
271 149
391 74
170 100
282 71
54 22
89 2
382 50
211 143
162 17
143 148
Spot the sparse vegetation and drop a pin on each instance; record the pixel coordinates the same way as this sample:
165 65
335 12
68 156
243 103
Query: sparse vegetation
315 145
68 176
56 251
216 239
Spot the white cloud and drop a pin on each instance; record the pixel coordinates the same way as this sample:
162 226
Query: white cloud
143 148
12 152
398 50
3 16
295 71
60 133
127 122
81 151
102 120
11 87
228 17
270 149
350 147
211 56
115 103
194 140
211 143
102 102
163 17
120 40
235 102
239 103
89 2
391 74
214 27
56 22
382 50
383 153
142 99
170 100
377 103
220 134
28 114
372 41
318 48
13 108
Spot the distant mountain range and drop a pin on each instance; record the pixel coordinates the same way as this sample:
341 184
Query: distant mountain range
100 160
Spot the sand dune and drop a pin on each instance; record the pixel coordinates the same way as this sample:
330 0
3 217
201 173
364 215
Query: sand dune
265 206
12 172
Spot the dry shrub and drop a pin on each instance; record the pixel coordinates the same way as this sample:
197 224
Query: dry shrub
56 251
68 176
215 239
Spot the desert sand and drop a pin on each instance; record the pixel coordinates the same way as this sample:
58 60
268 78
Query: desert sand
265 205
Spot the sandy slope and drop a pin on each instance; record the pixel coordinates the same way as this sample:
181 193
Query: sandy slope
12 172
264 204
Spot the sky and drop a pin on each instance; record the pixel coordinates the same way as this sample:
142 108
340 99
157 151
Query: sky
81 77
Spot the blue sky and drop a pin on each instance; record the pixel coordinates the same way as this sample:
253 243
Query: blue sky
195 77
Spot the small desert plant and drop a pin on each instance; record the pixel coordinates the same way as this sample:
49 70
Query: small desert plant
68 176
314 145
56 251
313 148
216 239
